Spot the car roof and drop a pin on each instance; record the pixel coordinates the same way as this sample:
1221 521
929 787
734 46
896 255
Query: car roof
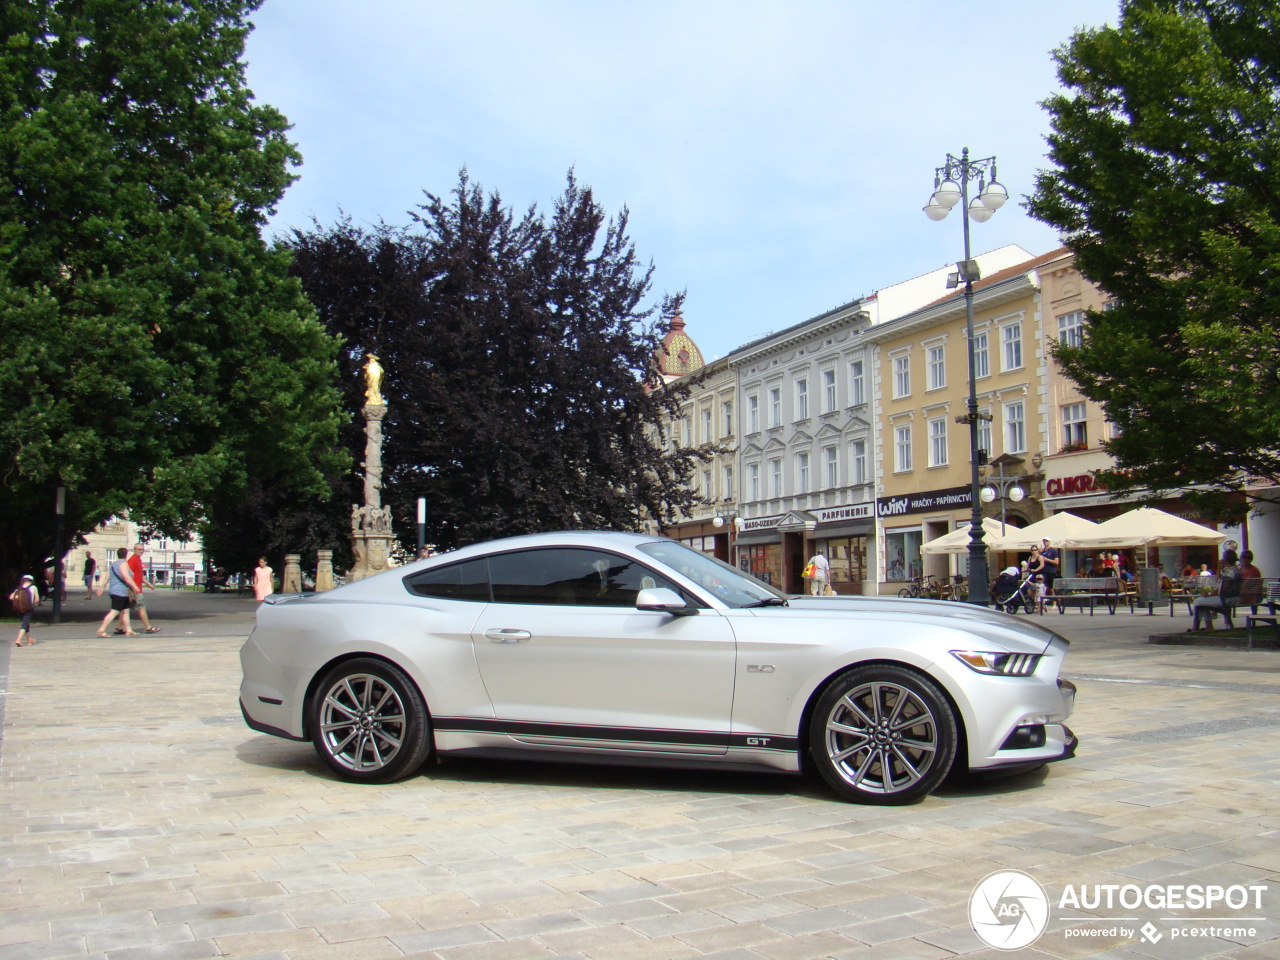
615 539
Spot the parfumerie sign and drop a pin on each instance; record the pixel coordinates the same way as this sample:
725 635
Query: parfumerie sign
921 502
860 511
857 511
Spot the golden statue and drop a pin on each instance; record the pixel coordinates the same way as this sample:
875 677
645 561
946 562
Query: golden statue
373 382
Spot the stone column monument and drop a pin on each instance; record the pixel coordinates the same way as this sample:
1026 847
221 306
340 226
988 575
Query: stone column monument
371 522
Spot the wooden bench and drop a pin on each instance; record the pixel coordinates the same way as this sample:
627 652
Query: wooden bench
1086 590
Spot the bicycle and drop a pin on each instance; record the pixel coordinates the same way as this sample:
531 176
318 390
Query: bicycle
927 587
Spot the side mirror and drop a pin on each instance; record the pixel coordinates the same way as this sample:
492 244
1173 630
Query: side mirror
664 600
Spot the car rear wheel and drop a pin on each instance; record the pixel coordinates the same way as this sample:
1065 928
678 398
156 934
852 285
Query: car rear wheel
883 734
369 722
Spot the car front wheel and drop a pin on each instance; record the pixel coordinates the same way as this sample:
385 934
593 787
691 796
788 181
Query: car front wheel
369 722
883 734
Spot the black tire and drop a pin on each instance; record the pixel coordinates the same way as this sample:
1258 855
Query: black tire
369 723
883 734
905 592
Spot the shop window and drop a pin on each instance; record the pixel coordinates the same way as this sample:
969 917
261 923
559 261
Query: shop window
902 554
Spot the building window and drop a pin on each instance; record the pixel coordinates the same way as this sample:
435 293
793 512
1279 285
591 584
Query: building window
937 365
1075 434
1015 428
984 431
802 472
707 436
858 461
802 399
775 478
686 428
1011 339
1071 328
828 391
726 413
706 485
981 356
753 480
902 376
902 448
753 414
857 384
938 442
775 406
831 458
728 483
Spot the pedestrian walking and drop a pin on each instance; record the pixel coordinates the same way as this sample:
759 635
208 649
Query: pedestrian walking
23 599
120 587
138 601
1052 564
264 580
90 575
821 574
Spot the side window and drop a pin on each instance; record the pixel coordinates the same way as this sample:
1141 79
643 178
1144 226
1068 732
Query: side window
468 580
570 577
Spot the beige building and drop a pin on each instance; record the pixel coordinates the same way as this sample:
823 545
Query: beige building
167 562
922 448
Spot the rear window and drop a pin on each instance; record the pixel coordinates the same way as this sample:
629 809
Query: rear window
468 580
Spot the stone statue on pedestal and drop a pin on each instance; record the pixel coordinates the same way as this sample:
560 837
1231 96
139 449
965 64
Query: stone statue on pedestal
371 534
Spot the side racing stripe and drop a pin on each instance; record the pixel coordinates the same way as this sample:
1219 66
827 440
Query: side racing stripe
629 735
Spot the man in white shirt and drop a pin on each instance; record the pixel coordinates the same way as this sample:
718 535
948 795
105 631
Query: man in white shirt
821 574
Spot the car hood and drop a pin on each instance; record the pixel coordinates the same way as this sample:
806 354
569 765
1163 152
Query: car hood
1016 634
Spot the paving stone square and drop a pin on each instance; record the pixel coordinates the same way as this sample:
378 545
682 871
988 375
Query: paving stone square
139 817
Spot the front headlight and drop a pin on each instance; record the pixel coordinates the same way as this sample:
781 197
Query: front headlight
999 664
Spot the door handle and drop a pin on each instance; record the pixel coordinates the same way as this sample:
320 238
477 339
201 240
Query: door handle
507 635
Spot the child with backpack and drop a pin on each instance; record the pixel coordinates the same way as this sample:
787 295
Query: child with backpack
24 599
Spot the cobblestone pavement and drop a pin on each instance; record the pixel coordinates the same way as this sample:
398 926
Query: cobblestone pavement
140 818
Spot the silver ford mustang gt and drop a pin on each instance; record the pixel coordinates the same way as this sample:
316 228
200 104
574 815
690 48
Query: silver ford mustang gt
622 648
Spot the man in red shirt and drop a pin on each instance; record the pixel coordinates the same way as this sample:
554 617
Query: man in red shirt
140 604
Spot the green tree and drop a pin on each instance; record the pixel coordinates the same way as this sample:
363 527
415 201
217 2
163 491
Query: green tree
519 360
1166 145
157 356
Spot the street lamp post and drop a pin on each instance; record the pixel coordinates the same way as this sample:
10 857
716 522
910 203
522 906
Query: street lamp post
951 187
59 574
1004 487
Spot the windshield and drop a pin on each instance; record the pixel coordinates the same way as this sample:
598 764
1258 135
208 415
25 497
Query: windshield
728 584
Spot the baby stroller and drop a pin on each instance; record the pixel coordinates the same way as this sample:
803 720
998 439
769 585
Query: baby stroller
1012 590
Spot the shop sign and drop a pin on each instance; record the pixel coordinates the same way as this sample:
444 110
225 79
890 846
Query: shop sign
921 502
859 511
1066 486
759 523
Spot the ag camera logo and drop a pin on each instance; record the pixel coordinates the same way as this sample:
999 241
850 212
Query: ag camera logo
1009 910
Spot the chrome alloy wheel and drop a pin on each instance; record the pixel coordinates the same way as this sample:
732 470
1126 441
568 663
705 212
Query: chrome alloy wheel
362 723
883 734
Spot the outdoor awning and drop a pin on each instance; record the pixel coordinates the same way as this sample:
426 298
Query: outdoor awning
957 541
850 528
1056 529
1146 527
770 535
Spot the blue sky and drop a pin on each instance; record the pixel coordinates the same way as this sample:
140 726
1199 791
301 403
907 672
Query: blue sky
774 156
